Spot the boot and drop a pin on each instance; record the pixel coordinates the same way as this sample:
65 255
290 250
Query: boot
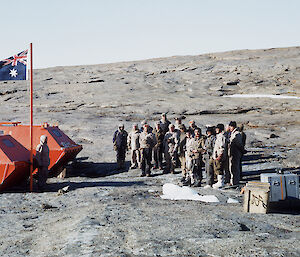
118 164
220 182
187 182
182 179
197 184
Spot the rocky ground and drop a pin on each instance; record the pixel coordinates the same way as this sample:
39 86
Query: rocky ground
107 213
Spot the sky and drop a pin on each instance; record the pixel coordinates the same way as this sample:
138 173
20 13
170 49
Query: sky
82 32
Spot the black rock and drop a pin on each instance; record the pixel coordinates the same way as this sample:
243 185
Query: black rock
232 83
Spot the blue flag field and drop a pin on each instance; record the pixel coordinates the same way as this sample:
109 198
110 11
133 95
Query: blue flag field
14 67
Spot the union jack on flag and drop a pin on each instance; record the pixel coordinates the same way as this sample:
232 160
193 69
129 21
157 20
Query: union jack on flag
14 67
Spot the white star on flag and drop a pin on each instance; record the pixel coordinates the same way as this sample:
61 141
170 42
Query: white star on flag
13 73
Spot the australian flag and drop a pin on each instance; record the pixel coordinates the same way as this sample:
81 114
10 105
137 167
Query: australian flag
14 67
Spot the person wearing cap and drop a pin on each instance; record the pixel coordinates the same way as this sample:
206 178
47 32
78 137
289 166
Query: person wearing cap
120 145
197 152
164 123
192 127
147 142
143 123
181 151
178 122
235 150
158 148
43 161
207 156
134 146
220 155
171 146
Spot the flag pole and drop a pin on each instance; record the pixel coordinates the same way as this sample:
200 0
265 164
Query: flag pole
31 120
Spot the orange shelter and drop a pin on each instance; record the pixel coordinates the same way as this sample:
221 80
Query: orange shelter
14 162
61 148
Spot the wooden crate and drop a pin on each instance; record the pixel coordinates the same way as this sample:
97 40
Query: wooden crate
256 197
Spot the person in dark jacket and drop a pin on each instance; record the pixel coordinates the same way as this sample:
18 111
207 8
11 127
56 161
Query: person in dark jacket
235 151
244 137
120 145
159 146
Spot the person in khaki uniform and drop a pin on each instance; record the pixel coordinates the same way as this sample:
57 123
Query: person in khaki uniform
43 160
197 163
226 161
120 145
171 146
178 122
134 146
159 147
192 127
189 155
181 151
207 156
235 150
147 142
219 155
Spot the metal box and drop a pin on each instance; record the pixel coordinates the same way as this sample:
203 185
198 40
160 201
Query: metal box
282 186
292 186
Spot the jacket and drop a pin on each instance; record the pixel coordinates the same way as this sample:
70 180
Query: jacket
120 139
159 136
171 141
198 147
209 146
235 143
133 140
220 148
42 153
147 140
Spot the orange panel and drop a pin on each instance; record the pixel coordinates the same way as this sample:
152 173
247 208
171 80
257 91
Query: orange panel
62 148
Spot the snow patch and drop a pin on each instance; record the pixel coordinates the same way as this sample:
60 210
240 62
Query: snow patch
262 96
231 200
174 192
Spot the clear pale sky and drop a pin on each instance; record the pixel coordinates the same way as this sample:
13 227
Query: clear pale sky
79 32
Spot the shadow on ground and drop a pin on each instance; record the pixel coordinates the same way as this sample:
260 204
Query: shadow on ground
54 187
94 169
255 175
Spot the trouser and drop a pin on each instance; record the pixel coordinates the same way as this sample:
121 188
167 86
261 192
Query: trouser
121 153
170 161
135 158
146 160
209 170
241 170
197 171
234 167
183 165
219 167
194 170
189 168
158 156
42 177
226 170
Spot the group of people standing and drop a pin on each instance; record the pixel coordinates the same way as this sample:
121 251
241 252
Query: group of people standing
220 151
